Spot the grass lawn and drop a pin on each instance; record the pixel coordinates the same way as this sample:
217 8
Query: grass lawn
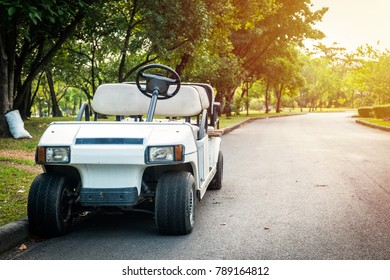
14 187
377 121
18 169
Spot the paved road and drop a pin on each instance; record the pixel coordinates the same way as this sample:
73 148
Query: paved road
314 186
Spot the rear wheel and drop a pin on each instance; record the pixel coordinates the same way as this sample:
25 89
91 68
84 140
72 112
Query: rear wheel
50 204
175 203
216 183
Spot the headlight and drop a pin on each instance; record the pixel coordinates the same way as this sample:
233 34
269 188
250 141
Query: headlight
164 154
52 155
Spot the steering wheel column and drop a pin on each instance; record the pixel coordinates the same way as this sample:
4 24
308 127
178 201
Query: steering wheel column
152 106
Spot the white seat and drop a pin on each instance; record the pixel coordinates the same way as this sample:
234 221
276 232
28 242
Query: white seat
123 99
203 95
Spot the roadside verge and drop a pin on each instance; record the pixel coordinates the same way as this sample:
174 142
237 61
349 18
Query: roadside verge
383 128
238 125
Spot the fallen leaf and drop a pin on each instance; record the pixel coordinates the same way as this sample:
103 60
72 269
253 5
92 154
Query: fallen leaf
23 247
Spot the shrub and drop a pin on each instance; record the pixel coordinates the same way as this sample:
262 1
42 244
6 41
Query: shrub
256 104
365 112
382 112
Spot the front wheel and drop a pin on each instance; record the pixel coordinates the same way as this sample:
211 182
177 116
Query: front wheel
175 203
50 205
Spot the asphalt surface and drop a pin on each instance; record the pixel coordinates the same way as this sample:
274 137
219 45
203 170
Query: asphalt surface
313 186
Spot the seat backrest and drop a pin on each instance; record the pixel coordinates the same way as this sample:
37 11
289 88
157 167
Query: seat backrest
123 99
207 95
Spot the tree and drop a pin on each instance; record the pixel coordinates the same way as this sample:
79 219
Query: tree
378 78
31 32
264 38
56 111
283 72
322 82
84 43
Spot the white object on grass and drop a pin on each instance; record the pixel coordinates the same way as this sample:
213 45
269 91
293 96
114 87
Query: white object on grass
16 125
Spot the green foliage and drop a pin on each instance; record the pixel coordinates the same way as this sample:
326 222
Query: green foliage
365 112
379 112
382 112
323 80
367 78
44 11
86 43
31 32
266 44
271 29
256 104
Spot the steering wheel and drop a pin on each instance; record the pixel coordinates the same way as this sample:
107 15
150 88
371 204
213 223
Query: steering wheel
157 81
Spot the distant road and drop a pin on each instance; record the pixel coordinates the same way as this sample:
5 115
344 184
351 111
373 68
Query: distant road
313 186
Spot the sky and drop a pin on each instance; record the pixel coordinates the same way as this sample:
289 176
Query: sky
352 23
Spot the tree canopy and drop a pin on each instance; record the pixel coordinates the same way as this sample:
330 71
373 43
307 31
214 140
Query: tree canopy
54 54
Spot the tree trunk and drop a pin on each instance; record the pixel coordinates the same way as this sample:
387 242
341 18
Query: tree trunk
5 97
267 99
93 69
228 107
183 63
228 100
278 94
54 102
26 104
4 100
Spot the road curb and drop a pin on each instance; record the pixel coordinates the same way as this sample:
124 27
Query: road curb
240 124
15 233
383 128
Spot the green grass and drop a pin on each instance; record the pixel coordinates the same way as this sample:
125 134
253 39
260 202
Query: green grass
377 121
14 187
17 161
15 178
226 122
36 127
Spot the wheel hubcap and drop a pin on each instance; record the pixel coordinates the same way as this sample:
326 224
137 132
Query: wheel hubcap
66 205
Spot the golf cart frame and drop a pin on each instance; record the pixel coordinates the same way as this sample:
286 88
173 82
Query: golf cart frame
168 162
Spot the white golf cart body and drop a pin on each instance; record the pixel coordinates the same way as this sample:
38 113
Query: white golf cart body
119 163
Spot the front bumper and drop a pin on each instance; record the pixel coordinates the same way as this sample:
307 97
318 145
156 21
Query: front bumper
109 196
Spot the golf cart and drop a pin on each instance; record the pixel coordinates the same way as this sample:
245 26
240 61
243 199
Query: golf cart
168 159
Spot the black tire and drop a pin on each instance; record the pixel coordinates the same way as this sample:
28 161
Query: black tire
216 183
50 203
175 203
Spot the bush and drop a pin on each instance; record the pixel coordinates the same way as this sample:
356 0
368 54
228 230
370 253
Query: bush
365 112
256 104
382 112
